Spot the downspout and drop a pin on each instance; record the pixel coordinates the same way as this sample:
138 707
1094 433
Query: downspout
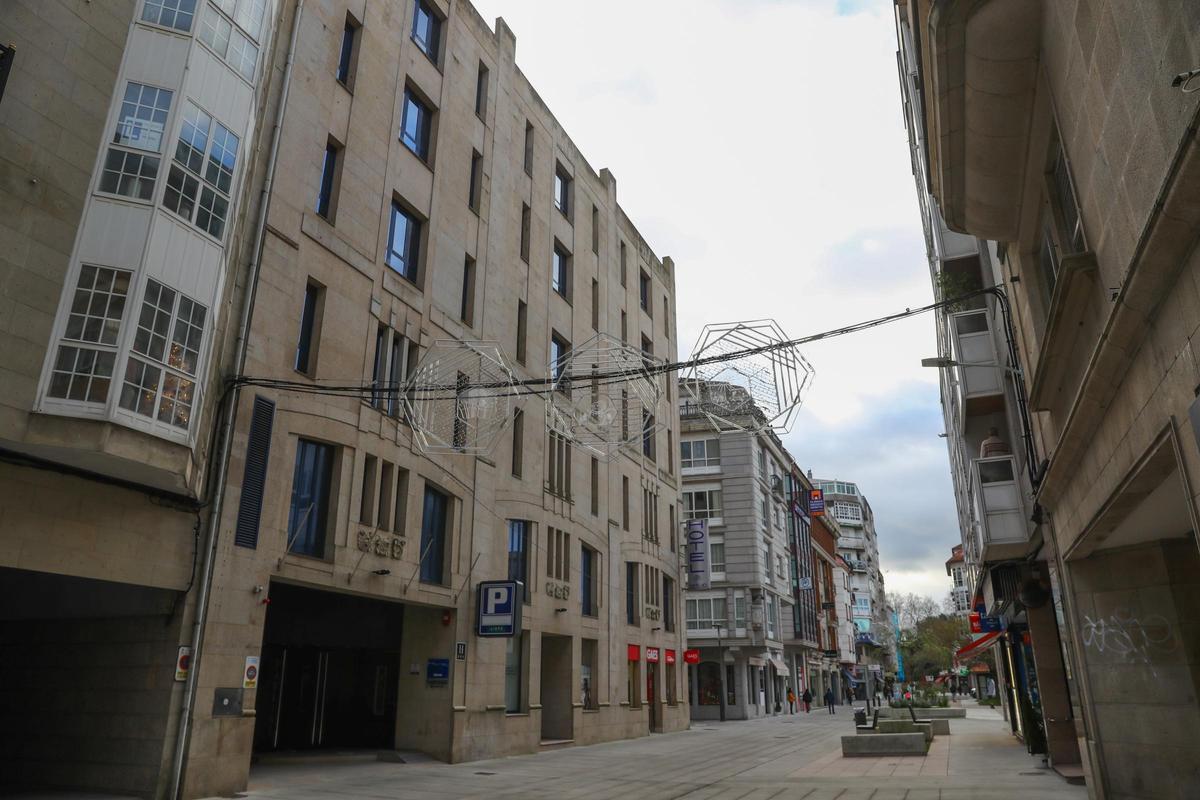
231 397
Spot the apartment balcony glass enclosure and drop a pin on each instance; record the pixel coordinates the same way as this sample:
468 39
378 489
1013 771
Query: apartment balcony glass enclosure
1000 521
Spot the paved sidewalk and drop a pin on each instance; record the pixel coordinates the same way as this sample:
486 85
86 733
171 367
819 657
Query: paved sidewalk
782 758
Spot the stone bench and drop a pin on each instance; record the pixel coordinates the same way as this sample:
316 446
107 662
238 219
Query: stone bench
885 744
923 713
923 727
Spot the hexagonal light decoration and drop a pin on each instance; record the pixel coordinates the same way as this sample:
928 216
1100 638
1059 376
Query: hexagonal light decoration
461 397
603 396
742 376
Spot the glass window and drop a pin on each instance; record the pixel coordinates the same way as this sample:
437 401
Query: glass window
228 41
415 125
433 536
175 14
404 240
717 555
700 453
97 308
631 590
705 613
143 117
739 609
201 177
704 504
562 190
170 331
644 291
587 576
308 319
560 272
310 498
345 57
427 26
325 192
518 553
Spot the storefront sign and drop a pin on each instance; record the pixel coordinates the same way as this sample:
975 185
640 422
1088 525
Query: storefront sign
816 502
250 673
670 656
437 671
372 541
651 655
633 652
990 624
182 662
806 583
974 620
697 555
691 656
830 653
498 609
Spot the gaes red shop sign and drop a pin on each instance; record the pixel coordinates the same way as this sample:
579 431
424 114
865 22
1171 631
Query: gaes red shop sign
670 656
651 655
633 652
691 656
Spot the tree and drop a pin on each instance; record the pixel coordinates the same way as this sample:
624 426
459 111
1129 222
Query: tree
911 608
930 646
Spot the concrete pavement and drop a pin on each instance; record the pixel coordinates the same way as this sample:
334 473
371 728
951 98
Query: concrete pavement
782 758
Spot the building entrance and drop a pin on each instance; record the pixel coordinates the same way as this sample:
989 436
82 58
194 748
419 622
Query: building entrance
652 697
330 671
558 711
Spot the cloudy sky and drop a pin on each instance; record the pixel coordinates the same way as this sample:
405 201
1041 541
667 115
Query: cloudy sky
760 144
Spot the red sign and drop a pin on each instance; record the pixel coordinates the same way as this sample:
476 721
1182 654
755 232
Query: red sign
816 502
691 656
633 652
651 655
976 625
670 656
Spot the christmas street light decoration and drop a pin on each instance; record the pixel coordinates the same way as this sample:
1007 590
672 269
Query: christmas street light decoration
604 396
460 398
746 376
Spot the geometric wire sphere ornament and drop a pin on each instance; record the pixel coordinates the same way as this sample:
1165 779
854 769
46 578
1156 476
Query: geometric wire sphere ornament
603 396
752 391
461 397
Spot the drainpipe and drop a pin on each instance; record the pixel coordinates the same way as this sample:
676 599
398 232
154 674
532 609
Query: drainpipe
226 412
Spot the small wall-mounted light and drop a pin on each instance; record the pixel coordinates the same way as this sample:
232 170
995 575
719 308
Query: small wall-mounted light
381 572
560 610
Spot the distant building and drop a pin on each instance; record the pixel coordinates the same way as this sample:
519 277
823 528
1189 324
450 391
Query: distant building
957 570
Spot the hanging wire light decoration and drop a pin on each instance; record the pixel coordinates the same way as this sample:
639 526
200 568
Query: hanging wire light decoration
461 397
745 376
603 396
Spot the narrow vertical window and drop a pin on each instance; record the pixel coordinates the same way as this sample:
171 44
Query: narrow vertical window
525 223
131 164
310 323
518 442
625 502
309 512
666 317
427 30
562 190
624 326
331 168
475 191
595 304
644 292
560 272
518 553
434 523
623 267
588 572
467 306
528 148
404 243
384 518
416 122
366 501
522 315
481 91
595 487
348 57
595 230
379 368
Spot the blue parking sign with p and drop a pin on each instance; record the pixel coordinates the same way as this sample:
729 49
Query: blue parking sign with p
498 611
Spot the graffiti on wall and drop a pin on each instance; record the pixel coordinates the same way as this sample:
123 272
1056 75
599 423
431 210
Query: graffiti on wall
1127 636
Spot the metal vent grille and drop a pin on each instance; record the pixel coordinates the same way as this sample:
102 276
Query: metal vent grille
258 450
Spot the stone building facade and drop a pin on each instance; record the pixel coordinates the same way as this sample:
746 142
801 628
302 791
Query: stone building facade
416 190
1058 137
738 482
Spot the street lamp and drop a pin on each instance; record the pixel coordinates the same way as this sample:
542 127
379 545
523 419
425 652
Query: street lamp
721 668
941 362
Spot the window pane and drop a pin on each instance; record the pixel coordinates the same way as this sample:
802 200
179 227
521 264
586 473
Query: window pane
175 407
249 16
426 29
403 243
185 341
243 55
98 305
154 321
180 194
81 373
222 159
310 498
193 138
212 211
175 14
129 174
143 117
215 31
433 537
415 125
141 387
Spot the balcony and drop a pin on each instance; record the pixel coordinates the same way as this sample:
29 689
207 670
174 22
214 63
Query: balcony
980 389
1001 531
858 566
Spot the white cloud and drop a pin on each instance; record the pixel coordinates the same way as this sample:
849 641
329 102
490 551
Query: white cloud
761 145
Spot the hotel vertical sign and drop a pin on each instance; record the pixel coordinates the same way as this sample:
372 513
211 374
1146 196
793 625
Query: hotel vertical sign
698 576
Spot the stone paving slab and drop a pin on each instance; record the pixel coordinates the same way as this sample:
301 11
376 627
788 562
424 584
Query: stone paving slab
784 758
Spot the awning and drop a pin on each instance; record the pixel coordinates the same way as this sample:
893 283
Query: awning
977 645
780 667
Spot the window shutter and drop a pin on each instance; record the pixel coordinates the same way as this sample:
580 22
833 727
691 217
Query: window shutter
258 449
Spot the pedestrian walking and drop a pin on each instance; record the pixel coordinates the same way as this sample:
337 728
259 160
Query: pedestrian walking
829 698
807 699
791 698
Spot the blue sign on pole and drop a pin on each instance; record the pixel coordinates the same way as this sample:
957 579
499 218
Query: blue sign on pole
498 609
990 624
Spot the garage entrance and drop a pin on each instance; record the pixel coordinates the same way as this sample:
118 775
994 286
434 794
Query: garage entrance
330 671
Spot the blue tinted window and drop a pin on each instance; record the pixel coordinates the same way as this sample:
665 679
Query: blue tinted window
414 127
433 537
426 30
404 243
310 498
